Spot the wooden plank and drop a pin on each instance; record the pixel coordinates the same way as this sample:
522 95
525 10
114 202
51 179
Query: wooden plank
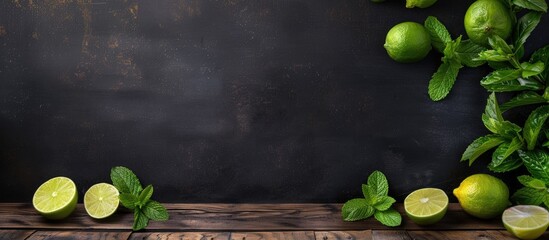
180 235
79 235
298 235
237 217
390 235
344 235
15 234
460 235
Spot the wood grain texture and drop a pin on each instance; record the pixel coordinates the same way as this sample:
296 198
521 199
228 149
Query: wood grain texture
302 235
391 235
79 235
180 236
15 234
344 235
237 217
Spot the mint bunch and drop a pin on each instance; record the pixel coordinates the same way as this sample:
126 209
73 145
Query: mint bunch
134 197
376 202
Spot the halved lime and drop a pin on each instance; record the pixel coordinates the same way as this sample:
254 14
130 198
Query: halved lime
56 198
426 206
526 221
101 200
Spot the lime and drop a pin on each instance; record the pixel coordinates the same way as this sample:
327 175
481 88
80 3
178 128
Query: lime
426 206
420 3
56 198
485 18
101 200
526 221
407 42
483 196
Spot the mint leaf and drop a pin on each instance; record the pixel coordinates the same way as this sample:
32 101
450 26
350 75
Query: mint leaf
533 125
155 211
492 56
501 75
492 108
389 217
480 146
128 200
499 44
531 182
467 51
542 55
528 196
443 80
145 195
524 98
537 163
505 150
514 85
379 184
356 209
384 203
536 5
531 69
125 180
140 220
525 25
438 33
511 163
546 201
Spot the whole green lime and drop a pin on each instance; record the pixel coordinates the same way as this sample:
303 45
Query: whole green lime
407 42
483 196
419 3
485 18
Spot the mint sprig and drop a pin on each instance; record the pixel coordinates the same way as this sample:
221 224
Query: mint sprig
134 197
376 202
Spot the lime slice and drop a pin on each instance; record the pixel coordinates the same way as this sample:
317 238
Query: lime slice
56 198
101 200
526 221
426 206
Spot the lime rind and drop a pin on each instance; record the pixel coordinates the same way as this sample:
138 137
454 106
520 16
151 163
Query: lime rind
56 198
526 221
101 200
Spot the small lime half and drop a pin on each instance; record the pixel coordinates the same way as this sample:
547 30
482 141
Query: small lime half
101 200
56 198
526 221
426 206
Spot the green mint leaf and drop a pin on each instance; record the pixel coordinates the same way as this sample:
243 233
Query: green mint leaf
140 221
536 5
542 55
525 25
499 76
480 146
519 84
492 56
450 50
529 196
128 200
384 203
369 193
511 163
537 163
378 182
498 44
389 217
443 80
505 150
532 69
356 209
125 180
467 51
546 201
523 99
145 195
492 108
155 211
533 125
503 128
529 181
438 32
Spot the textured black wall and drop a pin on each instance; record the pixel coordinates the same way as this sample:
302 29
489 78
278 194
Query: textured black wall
229 100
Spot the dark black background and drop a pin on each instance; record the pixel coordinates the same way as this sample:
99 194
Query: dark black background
230 100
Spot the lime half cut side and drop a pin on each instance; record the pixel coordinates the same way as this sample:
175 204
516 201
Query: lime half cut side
56 198
101 200
426 206
526 221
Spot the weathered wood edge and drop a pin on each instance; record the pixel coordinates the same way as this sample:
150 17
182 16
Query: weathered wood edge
237 217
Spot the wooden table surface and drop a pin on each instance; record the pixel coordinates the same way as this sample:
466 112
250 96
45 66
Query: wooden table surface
242 222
